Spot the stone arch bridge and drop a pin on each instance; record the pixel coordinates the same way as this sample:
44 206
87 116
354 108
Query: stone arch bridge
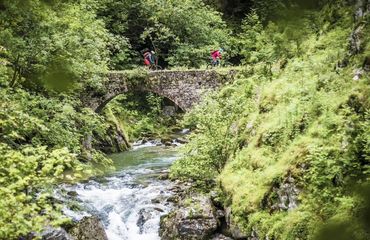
184 88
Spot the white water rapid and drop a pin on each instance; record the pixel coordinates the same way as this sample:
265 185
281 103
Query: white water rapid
131 200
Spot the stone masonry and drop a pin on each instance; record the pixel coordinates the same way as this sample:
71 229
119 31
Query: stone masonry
184 88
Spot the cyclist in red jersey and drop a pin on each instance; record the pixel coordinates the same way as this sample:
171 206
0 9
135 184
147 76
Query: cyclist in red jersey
216 56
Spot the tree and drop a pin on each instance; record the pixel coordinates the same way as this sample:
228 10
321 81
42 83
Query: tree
53 43
182 32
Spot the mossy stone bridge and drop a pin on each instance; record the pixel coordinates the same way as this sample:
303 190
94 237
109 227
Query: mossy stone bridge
184 88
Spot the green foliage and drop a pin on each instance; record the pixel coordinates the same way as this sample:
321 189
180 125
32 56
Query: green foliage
59 45
182 32
288 114
303 120
24 172
40 145
140 114
45 121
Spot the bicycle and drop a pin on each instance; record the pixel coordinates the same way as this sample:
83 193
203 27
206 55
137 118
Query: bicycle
213 64
155 67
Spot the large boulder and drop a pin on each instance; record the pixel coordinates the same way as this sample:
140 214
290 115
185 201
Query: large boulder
195 218
89 228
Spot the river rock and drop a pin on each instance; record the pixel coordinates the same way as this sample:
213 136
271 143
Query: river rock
55 234
195 218
220 237
181 140
185 131
89 228
164 176
144 216
72 194
166 141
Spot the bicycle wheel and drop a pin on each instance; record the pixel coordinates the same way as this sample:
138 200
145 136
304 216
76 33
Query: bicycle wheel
158 68
209 65
155 67
152 68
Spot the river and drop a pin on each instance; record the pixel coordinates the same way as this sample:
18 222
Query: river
130 200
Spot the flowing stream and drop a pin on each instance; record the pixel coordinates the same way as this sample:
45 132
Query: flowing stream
130 200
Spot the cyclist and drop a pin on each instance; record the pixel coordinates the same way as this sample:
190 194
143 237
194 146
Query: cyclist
147 57
153 58
216 56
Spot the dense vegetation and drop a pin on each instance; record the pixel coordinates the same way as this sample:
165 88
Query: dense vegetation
51 53
288 114
292 125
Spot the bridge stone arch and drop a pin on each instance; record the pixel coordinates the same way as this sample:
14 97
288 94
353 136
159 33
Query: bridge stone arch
184 88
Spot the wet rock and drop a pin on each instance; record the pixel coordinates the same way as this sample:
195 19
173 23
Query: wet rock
237 233
195 218
156 142
220 214
185 131
181 140
163 176
216 199
288 194
356 40
156 200
144 216
116 141
72 193
220 237
166 141
283 196
173 199
103 215
357 36
89 228
158 209
358 73
254 235
232 228
362 9
55 234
